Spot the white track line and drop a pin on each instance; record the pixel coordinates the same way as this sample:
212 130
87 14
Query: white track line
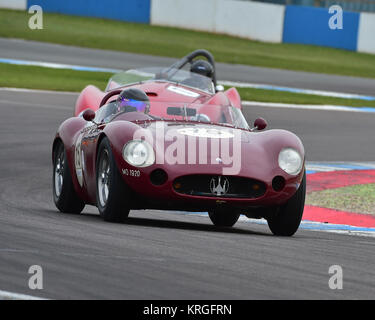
53 65
296 90
307 106
306 225
37 91
35 105
6 295
244 103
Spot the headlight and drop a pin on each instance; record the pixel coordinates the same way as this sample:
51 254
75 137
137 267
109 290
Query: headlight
138 153
290 161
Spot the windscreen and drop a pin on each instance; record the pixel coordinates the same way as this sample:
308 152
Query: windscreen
217 114
179 76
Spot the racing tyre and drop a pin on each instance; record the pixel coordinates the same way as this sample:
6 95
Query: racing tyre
64 195
223 218
288 217
112 194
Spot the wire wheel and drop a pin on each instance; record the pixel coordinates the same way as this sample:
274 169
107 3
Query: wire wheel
59 172
64 195
103 178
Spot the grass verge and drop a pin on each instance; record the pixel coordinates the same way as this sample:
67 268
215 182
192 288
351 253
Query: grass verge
33 77
358 199
173 42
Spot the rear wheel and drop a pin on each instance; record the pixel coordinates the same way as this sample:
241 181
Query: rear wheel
112 194
287 218
223 217
64 195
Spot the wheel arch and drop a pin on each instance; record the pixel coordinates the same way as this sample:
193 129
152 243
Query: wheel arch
100 139
118 134
89 98
55 144
67 134
234 97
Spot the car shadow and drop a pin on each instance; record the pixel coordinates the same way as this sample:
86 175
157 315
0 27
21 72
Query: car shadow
165 224
183 225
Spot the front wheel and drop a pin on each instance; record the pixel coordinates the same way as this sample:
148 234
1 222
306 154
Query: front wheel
287 218
64 195
112 194
223 218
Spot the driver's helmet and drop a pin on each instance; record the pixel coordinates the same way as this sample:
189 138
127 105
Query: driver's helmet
133 99
202 67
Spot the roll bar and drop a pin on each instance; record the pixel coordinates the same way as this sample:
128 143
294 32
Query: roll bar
190 57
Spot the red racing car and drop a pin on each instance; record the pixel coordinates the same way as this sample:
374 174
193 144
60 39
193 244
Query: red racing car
172 139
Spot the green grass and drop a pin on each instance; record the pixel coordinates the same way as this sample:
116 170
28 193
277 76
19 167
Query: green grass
358 198
173 42
32 77
49 79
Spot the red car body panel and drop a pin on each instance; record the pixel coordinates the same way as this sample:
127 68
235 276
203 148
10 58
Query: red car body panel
158 92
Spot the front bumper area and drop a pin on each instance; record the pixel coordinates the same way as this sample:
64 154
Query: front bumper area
204 192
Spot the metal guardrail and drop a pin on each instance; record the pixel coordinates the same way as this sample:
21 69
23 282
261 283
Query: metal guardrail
347 5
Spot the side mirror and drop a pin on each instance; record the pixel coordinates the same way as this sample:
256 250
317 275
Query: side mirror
219 88
88 115
260 124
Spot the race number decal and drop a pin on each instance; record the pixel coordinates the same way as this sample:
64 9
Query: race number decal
183 91
79 160
206 133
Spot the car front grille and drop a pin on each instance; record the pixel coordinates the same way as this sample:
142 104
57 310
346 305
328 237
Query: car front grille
219 186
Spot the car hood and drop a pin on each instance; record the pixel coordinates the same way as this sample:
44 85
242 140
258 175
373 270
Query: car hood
183 148
217 149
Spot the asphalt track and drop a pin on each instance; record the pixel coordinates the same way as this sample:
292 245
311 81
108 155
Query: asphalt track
161 255
46 52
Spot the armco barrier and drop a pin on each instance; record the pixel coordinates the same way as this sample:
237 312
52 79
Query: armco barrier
192 14
13 4
247 19
252 20
366 34
309 25
125 10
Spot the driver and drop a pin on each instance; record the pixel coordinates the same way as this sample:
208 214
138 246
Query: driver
201 72
133 99
202 67
129 100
